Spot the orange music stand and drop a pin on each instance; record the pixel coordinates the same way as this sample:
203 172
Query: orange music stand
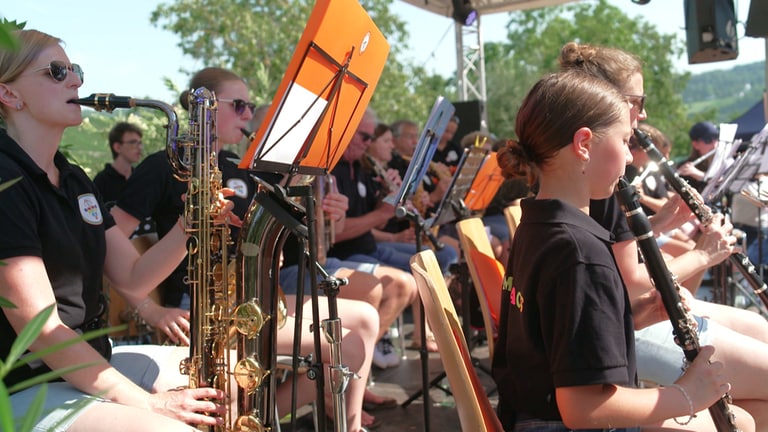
323 95
485 185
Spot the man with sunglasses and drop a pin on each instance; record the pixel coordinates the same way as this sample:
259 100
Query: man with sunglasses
704 137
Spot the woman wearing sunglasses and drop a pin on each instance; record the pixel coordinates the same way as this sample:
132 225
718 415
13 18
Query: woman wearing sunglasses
739 336
153 191
58 242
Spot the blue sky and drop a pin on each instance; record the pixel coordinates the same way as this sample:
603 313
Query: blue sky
122 53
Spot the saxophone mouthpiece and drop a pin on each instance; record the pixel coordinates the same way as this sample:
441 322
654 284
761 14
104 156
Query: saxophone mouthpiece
106 102
250 135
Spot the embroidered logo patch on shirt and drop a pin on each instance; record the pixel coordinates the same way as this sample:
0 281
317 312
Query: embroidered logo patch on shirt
89 209
239 186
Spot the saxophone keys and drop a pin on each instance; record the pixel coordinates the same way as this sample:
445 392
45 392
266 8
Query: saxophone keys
249 374
249 319
250 423
217 274
282 309
215 244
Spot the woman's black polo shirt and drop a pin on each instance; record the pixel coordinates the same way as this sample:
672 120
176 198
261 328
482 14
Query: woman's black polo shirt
64 226
153 191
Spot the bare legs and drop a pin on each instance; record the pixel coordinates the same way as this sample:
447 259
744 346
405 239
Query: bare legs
360 325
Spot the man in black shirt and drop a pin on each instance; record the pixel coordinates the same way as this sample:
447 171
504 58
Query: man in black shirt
126 145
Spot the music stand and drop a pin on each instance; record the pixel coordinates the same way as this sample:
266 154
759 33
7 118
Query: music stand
313 116
438 119
734 178
452 207
722 161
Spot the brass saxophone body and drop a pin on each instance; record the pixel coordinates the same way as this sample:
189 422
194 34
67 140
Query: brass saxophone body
234 318
232 337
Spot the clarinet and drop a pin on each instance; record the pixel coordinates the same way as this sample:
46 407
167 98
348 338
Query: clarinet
683 326
702 212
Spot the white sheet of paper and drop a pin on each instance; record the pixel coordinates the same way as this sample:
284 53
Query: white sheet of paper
298 102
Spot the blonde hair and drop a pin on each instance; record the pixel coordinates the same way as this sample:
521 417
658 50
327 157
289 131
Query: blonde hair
14 62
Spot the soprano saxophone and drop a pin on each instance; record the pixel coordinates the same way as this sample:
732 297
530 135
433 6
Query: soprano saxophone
232 332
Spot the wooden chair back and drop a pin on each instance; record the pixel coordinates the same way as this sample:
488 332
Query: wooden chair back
486 271
475 411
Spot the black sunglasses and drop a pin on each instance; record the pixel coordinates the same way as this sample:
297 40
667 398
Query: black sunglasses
240 105
365 136
58 70
640 105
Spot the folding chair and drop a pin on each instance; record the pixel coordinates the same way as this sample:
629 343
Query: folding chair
486 271
474 408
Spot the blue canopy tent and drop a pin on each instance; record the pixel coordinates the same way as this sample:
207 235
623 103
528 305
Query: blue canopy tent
751 122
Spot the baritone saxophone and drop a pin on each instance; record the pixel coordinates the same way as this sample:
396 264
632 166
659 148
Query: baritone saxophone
233 318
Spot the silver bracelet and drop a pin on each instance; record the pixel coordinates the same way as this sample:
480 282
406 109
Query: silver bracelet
691 414
141 305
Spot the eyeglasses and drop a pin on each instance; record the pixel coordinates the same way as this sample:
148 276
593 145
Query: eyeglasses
365 136
240 105
58 70
132 142
633 100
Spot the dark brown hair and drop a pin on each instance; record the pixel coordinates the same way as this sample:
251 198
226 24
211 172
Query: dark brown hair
551 113
380 130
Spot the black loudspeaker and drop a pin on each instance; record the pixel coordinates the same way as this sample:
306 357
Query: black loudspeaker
710 30
757 20
470 114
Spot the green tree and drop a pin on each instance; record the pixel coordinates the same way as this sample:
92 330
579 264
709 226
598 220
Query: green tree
240 35
533 44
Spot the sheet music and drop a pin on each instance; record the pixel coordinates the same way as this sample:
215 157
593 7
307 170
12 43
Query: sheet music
724 152
290 131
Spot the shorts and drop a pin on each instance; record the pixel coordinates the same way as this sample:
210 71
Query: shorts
659 359
289 275
64 403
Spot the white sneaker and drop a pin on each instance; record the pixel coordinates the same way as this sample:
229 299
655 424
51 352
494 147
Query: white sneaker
388 349
380 359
